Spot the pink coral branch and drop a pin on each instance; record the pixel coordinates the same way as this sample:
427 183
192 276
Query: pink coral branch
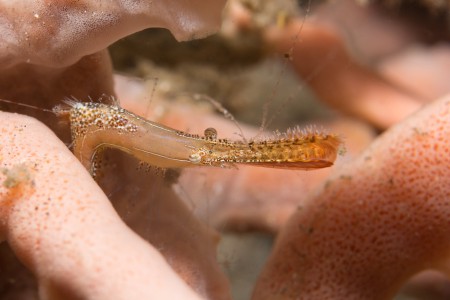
65 229
320 57
376 222
59 33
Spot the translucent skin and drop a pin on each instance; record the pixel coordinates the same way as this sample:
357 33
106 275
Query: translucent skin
95 126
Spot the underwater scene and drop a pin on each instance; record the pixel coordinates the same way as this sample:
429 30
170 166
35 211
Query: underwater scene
240 149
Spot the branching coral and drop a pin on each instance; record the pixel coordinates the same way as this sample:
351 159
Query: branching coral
48 53
375 223
54 49
59 33
320 56
63 226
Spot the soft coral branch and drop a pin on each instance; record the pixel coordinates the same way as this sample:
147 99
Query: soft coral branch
376 222
59 33
62 226
319 55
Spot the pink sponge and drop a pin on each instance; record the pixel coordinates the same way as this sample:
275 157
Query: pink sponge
376 222
58 33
